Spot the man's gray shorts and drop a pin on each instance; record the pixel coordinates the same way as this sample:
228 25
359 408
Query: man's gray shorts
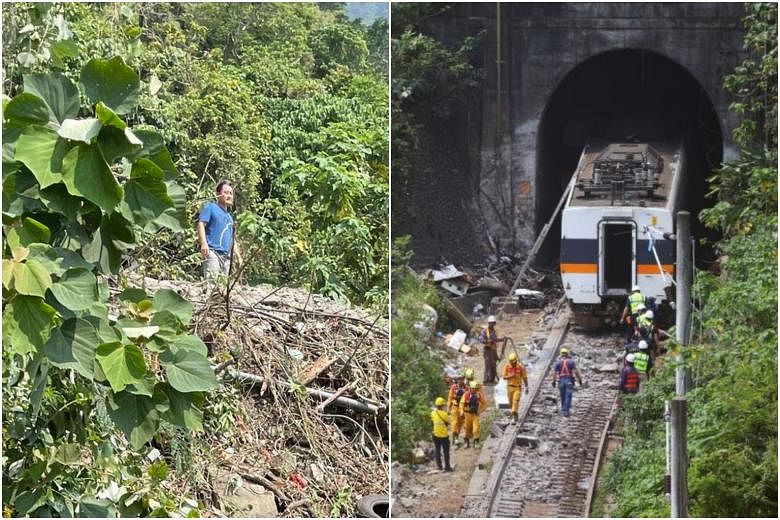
216 264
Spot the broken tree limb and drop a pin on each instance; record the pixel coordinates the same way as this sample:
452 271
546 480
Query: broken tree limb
335 396
345 402
456 313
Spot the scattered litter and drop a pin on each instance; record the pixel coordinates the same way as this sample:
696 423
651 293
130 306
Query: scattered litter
457 340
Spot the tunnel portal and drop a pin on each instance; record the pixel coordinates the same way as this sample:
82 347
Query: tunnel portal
623 95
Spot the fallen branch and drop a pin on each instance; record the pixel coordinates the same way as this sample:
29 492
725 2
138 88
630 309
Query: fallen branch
335 396
345 402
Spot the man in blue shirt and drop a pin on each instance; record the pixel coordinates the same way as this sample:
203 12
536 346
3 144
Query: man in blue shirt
215 233
563 376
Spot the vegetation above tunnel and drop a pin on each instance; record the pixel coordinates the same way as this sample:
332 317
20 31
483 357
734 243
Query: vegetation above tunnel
732 435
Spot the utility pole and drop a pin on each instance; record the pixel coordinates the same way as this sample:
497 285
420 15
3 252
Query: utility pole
679 405
683 296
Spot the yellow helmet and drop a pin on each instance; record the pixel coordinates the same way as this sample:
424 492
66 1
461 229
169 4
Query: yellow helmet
469 374
473 384
564 352
512 357
440 401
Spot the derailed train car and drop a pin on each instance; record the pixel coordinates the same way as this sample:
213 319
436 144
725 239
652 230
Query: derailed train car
615 227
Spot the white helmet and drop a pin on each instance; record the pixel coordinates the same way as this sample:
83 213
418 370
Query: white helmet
643 345
630 358
649 315
491 319
635 288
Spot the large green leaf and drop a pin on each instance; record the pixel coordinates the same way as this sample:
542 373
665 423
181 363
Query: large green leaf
186 409
27 322
172 218
112 82
20 193
83 130
108 117
171 301
105 331
38 369
77 289
57 198
113 238
122 364
170 329
188 371
31 278
114 144
137 415
59 93
29 232
146 193
42 151
73 346
133 294
192 343
96 508
25 109
86 174
48 257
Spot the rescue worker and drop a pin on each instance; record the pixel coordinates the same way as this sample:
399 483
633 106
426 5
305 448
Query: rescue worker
634 300
515 375
441 437
489 338
453 406
646 328
563 376
642 361
471 405
629 377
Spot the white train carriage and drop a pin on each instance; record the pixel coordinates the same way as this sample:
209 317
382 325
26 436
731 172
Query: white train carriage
612 230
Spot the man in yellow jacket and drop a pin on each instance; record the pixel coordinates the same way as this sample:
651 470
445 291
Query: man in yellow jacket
441 436
471 405
515 375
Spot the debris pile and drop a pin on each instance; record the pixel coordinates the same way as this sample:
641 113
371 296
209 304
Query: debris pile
471 293
314 380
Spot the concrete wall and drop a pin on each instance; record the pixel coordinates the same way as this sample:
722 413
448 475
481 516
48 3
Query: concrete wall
540 45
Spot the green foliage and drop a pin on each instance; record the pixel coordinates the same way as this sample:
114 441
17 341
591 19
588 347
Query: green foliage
64 358
430 83
417 375
732 429
248 92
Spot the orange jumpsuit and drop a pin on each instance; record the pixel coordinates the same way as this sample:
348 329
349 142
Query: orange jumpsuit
515 376
453 404
471 424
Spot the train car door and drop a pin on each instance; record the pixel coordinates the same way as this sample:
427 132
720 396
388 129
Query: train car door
617 257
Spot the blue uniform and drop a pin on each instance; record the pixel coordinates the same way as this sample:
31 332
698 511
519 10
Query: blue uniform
219 228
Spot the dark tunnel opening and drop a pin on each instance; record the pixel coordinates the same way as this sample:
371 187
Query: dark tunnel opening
619 95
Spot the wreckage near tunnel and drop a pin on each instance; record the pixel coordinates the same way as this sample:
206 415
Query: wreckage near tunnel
555 77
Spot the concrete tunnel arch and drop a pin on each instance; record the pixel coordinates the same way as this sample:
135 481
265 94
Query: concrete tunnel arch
614 95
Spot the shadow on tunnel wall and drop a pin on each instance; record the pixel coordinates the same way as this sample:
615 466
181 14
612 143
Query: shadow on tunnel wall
619 95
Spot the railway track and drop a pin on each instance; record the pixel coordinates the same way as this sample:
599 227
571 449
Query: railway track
546 465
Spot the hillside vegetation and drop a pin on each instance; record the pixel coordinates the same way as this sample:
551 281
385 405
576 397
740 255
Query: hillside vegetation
732 361
118 121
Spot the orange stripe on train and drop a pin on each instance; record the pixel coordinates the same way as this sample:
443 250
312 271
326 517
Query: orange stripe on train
579 268
646 269
653 269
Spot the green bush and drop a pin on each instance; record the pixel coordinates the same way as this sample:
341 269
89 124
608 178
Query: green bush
416 373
